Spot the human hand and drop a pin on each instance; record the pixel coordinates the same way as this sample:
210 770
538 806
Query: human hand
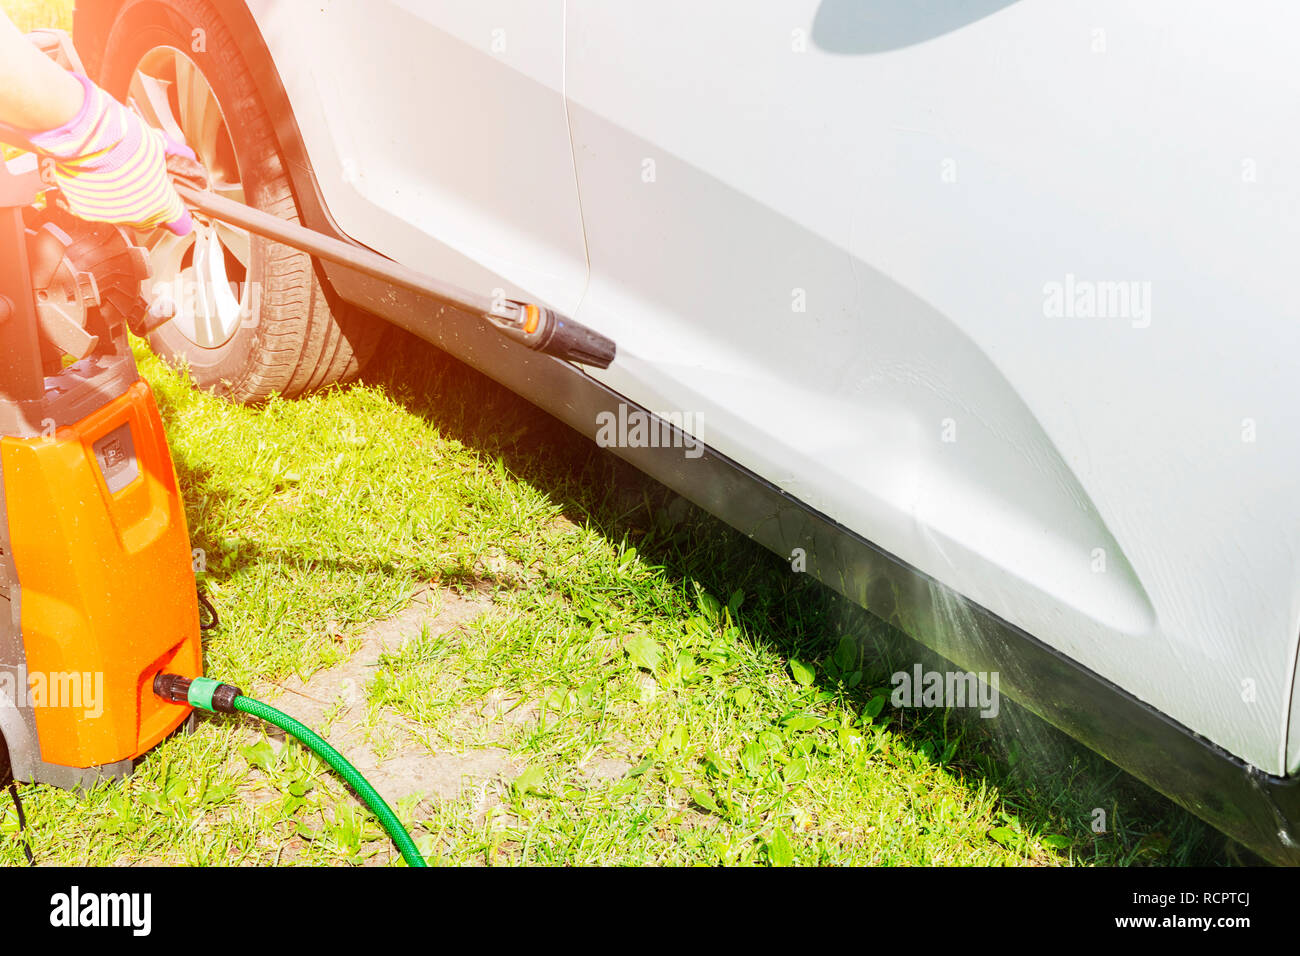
111 166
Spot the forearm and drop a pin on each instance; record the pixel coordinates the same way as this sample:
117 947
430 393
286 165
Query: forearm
107 163
35 92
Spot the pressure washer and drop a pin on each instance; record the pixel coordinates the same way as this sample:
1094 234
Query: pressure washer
96 589
96 578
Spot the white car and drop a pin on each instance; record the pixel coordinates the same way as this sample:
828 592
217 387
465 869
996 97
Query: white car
979 312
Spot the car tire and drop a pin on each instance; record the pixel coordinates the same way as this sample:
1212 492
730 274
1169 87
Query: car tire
290 335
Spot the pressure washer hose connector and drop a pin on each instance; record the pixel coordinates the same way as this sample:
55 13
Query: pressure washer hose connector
201 692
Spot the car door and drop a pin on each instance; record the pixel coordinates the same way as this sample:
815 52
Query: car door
955 275
438 134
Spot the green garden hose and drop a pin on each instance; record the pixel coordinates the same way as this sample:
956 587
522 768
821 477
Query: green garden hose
208 694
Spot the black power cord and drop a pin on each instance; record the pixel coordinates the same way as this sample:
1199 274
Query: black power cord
7 781
22 823
213 621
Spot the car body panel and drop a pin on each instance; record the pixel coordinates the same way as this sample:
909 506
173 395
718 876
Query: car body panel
923 198
438 133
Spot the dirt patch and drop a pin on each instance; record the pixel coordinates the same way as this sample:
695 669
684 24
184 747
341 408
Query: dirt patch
391 751
604 769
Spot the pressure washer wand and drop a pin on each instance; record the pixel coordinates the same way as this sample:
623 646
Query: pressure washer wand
534 326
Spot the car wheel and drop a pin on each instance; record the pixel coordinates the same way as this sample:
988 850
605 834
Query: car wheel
251 316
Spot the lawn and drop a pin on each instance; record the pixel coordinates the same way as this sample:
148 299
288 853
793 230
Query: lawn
675 694
33 14
661 690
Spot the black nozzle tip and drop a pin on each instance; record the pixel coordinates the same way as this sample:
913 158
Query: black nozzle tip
577 343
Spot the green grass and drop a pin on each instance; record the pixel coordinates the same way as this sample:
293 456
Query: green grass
34 14
741 706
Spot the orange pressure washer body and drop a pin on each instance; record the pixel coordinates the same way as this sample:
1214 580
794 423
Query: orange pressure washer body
97 584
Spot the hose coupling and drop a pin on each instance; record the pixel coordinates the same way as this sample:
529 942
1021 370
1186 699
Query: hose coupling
201 692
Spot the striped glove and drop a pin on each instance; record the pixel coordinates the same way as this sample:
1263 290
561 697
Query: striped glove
111 166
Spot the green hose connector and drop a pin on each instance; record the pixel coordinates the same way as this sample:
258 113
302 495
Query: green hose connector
209 694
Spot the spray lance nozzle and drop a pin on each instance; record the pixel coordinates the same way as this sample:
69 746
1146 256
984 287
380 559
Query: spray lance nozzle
545 330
